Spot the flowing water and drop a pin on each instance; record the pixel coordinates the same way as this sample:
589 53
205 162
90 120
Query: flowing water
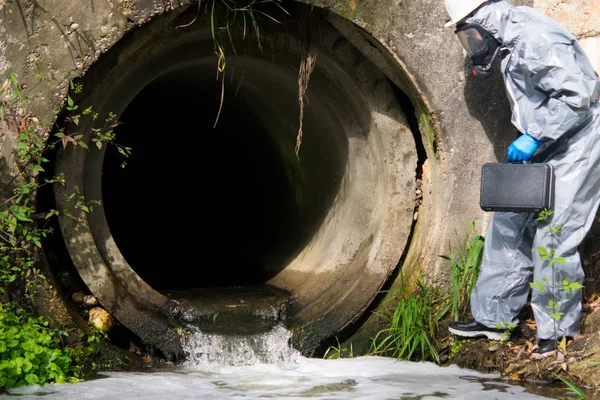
265 367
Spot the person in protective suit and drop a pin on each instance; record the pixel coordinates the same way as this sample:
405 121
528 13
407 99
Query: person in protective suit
553 92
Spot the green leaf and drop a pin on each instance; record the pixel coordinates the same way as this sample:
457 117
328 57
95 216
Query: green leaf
51 213
22 217
561 260
543 253
13 77
70 101
538 285
28 345
31 379
556 315
575 286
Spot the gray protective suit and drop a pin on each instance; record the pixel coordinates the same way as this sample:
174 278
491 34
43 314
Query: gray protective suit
553 91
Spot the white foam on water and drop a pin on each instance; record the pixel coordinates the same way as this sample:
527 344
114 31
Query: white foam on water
364 378
264 366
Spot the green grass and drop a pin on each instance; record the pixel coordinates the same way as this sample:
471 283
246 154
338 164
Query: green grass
413 316
413 324
231 19
465 265
573 388
338 351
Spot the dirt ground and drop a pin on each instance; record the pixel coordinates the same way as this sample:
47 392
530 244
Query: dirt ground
578 361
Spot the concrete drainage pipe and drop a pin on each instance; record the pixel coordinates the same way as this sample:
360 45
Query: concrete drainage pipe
200 210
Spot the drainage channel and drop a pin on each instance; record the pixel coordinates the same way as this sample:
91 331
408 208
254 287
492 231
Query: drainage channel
215 220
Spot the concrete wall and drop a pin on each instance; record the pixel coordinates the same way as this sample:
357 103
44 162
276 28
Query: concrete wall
581 17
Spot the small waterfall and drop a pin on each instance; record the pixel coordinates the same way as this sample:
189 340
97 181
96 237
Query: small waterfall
216 350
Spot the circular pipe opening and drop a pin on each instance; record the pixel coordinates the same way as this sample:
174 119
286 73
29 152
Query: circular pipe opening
217 197
201 206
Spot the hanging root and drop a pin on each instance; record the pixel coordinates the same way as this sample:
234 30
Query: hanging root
308 60
220 73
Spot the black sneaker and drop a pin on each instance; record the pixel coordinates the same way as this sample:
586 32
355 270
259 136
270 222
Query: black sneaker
545 346
475 329
549 345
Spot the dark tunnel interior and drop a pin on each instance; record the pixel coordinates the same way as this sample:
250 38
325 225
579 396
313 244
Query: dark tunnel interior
197 206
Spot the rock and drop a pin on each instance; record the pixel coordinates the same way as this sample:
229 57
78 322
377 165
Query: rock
101 319
90 300
78 297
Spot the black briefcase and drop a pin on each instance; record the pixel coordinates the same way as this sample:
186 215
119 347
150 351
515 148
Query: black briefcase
517 187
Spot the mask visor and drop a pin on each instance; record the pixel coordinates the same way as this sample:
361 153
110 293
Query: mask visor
472 41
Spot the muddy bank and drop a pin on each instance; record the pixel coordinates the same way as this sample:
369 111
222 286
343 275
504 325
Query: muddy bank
578 362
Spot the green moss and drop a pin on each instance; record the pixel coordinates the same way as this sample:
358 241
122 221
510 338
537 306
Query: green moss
425 121
426 127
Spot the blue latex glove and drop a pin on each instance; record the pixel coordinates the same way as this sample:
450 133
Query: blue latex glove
522 149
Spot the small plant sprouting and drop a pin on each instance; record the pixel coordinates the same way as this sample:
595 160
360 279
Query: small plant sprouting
507 327
456 346
102 136
549 254
76 87
339 351
81 203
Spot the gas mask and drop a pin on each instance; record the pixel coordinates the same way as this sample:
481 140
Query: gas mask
481 47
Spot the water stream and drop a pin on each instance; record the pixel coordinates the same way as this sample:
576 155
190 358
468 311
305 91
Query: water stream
265 367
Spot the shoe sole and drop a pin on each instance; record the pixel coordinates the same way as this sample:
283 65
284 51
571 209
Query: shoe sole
500 336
